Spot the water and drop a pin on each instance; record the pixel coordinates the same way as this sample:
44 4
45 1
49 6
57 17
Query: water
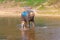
47 28
28 34
48 33
2 37
41 33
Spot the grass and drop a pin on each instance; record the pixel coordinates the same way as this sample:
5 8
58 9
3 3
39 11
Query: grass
1 1
34 3
28 2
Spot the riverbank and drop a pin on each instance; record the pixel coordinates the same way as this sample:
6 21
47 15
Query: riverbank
15 12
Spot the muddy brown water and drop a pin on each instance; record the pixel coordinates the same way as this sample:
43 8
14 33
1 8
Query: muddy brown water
48 33
39 33
28 34
51 30
42 33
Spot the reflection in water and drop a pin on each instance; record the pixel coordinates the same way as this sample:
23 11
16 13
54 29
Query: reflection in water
28 34
49 33
8 28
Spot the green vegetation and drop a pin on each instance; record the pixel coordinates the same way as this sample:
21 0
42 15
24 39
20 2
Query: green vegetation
33 3
1 1
28 2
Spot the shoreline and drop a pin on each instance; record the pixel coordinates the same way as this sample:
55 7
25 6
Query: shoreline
36 15
15 12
